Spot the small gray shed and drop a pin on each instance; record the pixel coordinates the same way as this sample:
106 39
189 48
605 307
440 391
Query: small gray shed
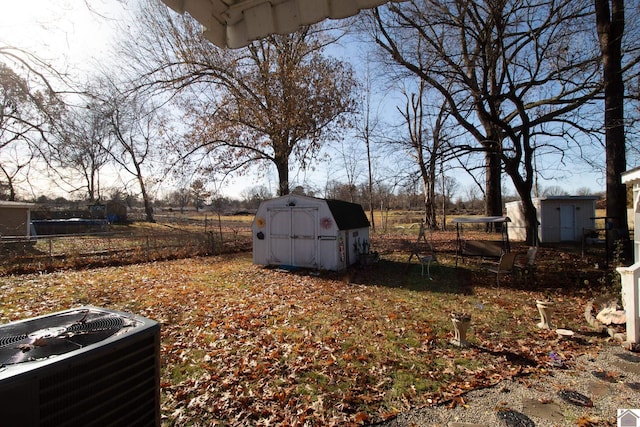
15 219
302 231
560 218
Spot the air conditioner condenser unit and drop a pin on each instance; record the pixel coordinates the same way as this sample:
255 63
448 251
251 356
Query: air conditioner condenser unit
82 367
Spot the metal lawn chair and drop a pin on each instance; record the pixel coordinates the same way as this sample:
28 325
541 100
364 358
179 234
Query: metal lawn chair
505 266
423 251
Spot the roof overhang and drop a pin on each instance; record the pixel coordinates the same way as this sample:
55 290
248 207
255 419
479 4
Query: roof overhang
632 175
236 23
16 205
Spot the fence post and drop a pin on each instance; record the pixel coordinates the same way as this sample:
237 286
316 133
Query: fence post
212 242
630 278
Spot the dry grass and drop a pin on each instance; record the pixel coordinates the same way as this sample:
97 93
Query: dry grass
125 244
242 344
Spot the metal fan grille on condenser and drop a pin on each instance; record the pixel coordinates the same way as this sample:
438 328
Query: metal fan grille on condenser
45 337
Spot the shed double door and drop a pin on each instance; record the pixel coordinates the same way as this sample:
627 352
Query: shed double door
293 236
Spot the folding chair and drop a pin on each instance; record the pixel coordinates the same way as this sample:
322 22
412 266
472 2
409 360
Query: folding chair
506 265
426 260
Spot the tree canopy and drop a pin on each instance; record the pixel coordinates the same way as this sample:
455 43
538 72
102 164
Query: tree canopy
517 76
277 100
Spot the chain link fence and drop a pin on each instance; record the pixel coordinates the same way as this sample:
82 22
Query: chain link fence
53 252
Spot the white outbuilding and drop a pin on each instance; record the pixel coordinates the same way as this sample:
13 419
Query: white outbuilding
560 218
302 231
15 219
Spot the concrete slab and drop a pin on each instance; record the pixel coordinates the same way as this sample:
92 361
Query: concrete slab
629 357
550 411
597 389
629 367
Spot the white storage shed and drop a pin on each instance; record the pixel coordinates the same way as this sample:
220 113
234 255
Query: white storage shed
302 231
560 218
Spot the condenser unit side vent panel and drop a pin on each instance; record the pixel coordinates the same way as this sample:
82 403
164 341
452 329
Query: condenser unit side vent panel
123 379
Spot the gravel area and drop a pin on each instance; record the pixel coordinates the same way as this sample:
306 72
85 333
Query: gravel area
609 377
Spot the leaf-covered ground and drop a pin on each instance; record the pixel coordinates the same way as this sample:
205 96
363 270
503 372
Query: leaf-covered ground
243 344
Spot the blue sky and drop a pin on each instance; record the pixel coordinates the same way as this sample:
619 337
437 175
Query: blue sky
67 32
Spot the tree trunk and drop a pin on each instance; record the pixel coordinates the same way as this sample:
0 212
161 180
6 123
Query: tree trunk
12 192
429 173
370 186
493 181
282 167
428 182
530 214
148 208
10 187
610 25
523 184
92 186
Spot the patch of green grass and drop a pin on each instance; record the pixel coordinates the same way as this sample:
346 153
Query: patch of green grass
182 372
408 383
468 363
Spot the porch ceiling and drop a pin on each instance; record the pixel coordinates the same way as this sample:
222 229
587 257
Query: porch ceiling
236 23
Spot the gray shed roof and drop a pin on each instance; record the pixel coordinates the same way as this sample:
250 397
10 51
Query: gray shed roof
347 215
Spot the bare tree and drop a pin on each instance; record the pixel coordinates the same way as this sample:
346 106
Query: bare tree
472 193
342 191
15 162
449 186
351 156
31 103
554 190
252 196
366 131
275 101
137 126
24 108
82 148
584 191
179 197
514 75
424 143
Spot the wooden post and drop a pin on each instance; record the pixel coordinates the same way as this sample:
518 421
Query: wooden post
630 277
